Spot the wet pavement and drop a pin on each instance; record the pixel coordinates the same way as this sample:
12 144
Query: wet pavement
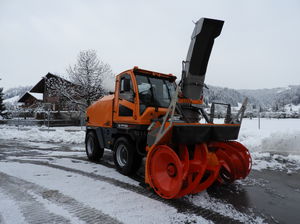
270 194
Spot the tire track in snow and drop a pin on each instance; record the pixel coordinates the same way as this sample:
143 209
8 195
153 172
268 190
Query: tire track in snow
35 212
9 210
182 206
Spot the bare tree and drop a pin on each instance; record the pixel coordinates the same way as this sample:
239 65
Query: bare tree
86 80
88 73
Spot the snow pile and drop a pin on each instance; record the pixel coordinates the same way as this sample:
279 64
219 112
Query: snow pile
261 161
42 135
283 142
275 146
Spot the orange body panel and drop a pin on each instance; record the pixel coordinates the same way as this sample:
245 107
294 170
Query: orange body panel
152 73
184 100
100 112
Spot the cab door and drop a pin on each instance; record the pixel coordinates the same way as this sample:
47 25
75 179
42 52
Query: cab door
125 102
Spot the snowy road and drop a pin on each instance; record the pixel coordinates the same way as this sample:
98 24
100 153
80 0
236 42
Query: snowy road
42 182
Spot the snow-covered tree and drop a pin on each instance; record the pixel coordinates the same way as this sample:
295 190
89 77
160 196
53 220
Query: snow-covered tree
86 80
2 106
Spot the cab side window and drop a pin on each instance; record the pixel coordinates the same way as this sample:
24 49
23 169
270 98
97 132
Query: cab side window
126 88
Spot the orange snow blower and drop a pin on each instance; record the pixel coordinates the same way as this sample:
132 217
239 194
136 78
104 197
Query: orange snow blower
150 116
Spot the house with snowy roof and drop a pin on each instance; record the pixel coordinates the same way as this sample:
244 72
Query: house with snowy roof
31 100
44 96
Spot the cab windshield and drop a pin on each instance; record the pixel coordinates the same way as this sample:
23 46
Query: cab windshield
154 91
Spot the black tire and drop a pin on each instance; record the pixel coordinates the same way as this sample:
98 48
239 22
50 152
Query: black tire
92 147
126 158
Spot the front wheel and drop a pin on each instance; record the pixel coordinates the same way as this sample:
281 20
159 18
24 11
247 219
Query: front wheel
92 147
126 159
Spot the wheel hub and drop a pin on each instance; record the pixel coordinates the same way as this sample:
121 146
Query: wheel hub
171 170
90 143
122 155
165 172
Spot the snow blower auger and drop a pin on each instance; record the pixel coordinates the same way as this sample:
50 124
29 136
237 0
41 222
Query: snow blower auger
149 115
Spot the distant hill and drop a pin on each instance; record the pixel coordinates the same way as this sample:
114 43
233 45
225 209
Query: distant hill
16 91
290 95
226 95
222 95
274 97
11 96
265 97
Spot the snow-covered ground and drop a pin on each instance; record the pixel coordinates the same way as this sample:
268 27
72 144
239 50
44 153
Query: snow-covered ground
276 145
41 178
118 209
39 175
71 135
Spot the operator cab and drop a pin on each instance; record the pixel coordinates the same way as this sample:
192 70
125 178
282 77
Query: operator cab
142 95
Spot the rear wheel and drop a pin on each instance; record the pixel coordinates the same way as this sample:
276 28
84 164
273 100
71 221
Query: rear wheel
92 147
126 158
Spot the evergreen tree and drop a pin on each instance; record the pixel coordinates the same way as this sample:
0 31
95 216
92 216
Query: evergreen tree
2 106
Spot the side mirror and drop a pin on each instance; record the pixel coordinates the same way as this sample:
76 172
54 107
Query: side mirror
126 87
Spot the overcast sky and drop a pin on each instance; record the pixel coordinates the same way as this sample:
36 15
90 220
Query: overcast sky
259 46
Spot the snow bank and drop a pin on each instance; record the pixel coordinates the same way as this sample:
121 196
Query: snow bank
276 145
283 142
276 135
36 134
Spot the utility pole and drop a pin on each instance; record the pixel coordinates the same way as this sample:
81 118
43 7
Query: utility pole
258 120
259 117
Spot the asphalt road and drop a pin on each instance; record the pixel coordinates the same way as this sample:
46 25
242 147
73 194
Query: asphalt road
272 195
